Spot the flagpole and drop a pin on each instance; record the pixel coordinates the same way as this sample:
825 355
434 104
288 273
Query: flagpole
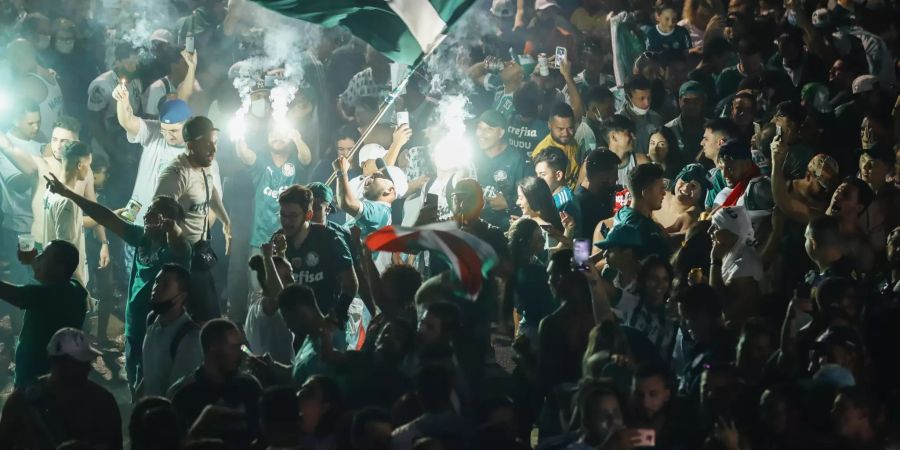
381 112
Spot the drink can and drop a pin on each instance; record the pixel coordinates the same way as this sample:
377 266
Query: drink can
26 243
402 118
189 42
495 65
131 211
543 65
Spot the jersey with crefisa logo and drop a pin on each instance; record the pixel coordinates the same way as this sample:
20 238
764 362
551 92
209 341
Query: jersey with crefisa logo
203 206
309 272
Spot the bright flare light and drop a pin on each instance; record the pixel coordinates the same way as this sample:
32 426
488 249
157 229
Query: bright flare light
237 127
454 149
4 102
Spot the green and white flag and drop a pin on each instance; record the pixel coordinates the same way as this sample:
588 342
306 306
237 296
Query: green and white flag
403 30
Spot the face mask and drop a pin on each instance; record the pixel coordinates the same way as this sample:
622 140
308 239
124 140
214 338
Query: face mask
65 48
258 108
639 111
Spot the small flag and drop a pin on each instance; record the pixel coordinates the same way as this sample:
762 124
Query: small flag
403 30
469 257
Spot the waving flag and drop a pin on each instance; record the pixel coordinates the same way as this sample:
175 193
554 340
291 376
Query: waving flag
403 30
470 258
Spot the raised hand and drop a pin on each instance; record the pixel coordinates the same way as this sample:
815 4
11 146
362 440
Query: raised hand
57 187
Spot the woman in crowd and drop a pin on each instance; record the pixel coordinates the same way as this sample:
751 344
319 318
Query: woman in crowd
663 150
528 287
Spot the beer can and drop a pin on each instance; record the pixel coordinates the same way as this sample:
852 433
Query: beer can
494 65
189 42
543 65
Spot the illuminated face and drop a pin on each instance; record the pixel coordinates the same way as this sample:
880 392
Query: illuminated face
83 170
487 136
873 171
292 218
688 192
640 99
511 73
622 140
656 286
667 20
522 203
733 170
650 396
202 152
844 202
743 111
29 125
659 148
562 129
600 111
553 178
654 194
172 133
58 140
344 147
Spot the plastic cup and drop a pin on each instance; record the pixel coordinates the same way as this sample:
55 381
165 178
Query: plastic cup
26 243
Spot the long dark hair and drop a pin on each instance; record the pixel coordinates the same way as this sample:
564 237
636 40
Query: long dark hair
540 199
519 239
674 158
647 265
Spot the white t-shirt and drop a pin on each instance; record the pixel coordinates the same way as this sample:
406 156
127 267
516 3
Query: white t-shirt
17 213
156 155
742 262
268 333
51 106
160 88
160 370
185 184
63 220
39 191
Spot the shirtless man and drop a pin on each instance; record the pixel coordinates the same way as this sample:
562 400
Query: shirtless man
683 204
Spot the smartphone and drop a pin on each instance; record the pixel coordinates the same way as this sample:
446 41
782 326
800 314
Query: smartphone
778 131
646 437
402 118
560 55
431 199
582 255
544 227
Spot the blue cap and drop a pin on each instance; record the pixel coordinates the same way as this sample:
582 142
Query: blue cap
174 111
735 149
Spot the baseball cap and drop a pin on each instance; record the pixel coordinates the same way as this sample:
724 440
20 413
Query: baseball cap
864 83
621 236
197 127
825 169
833 376
371 151
540 5
399 178
493 119
162 35
693 172
817 96
691 87
71 342
321 191
882 152
174 111
736 220
735 150
467 186
821 18
503 8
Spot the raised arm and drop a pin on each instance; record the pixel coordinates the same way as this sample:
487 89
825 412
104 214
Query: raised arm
303 152
244 152
98 212
124 113
27 164
401 136
186 88
274 286
794 209
565 68
346 198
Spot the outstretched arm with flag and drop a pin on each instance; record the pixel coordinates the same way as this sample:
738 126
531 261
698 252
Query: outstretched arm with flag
403 30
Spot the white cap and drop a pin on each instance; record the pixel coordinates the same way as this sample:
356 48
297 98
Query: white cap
72 342
821 18
864 83
736 220
401 181
540 5
371 151
503 8
162 35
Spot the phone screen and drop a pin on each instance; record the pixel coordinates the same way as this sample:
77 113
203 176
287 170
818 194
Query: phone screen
431 199
560 55
582 254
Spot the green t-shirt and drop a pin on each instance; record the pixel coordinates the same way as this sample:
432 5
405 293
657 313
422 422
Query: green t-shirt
503 103
270 180
149 257
654 238
372 216
48 307
718 184
308 362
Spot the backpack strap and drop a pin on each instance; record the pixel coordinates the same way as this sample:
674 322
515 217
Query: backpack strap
183 331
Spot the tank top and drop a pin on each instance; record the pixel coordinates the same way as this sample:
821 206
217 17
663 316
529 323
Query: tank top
623 171
51 107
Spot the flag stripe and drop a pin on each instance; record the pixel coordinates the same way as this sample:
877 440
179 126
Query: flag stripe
422 20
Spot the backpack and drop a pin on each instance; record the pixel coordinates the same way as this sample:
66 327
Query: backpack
182 331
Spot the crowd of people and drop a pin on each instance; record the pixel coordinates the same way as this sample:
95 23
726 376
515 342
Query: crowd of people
691 210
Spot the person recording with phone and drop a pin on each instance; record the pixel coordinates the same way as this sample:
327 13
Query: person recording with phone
159 241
